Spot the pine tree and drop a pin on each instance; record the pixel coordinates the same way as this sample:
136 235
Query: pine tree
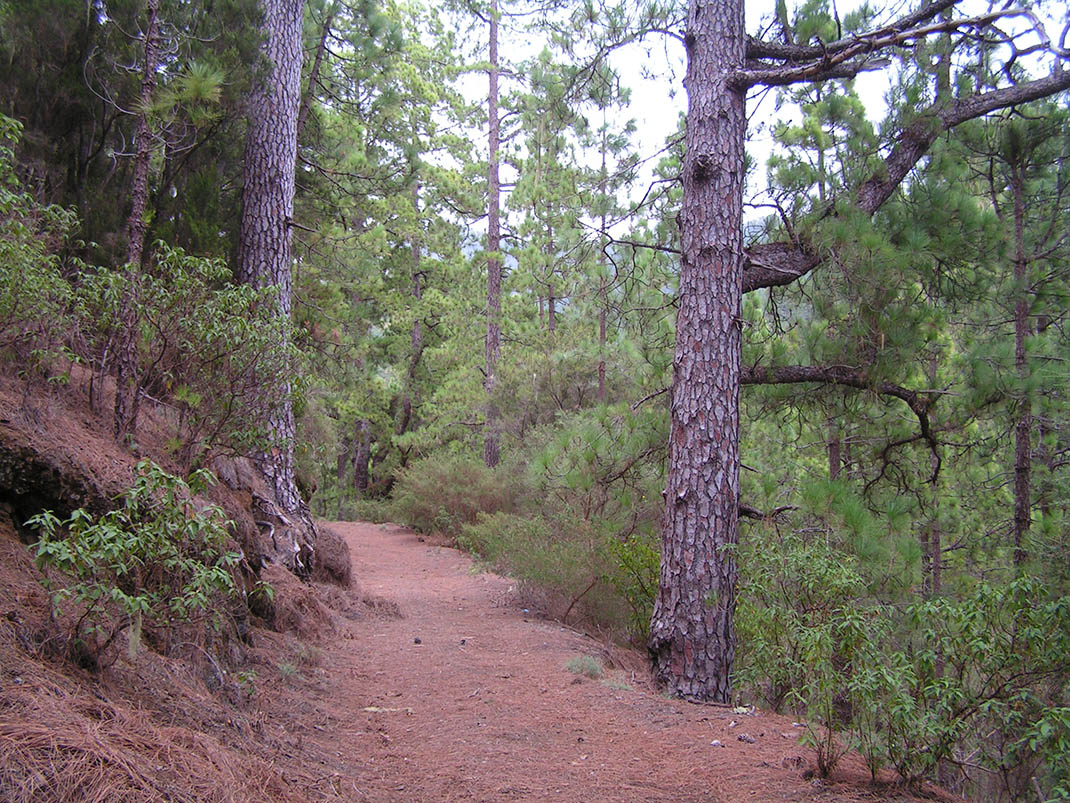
692 636
264 254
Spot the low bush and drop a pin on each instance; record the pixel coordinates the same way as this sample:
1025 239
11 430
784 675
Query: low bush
586 665
157 562
564 566
446 492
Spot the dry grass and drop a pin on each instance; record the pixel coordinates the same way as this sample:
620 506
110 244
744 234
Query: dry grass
124 757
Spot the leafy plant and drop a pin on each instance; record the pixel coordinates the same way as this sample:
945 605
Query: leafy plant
157 561
215 350
33 292
246 680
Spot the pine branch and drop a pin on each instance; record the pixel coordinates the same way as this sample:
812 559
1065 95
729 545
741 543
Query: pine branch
781 263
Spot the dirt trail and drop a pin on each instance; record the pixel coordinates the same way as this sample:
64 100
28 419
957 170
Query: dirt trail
466 697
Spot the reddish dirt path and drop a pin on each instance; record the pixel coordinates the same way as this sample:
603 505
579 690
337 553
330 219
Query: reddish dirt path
483 708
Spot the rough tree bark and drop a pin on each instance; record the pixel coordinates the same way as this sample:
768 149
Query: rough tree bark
493 345
692 638
264 252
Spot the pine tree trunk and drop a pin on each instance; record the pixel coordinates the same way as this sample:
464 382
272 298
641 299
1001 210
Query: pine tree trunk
362 455
264 251
492 425
127 383
835 449
692 636
416 336
602 296
1023 425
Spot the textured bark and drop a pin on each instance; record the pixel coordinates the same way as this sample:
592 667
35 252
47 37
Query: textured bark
264 252
493 344
1023 424
692 637
127 385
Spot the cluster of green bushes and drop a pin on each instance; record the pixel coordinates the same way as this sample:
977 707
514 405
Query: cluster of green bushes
920 685
573 520
210 350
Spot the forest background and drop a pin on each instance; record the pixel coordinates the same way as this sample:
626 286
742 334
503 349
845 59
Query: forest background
491 357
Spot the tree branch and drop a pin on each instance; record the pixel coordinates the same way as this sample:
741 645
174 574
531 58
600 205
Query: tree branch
779 264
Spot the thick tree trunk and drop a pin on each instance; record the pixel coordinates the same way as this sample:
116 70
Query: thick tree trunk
492 425
127 384
692 637
264 253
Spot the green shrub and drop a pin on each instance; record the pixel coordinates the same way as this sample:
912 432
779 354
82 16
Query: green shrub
33 292
586 665
563 565
213 349
445 492
376 511
158 561
985 675
634 574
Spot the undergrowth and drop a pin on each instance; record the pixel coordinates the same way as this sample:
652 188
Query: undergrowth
157 562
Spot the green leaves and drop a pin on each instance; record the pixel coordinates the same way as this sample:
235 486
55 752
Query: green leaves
158 561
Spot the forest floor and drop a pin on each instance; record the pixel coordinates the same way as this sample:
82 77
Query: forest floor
465 696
